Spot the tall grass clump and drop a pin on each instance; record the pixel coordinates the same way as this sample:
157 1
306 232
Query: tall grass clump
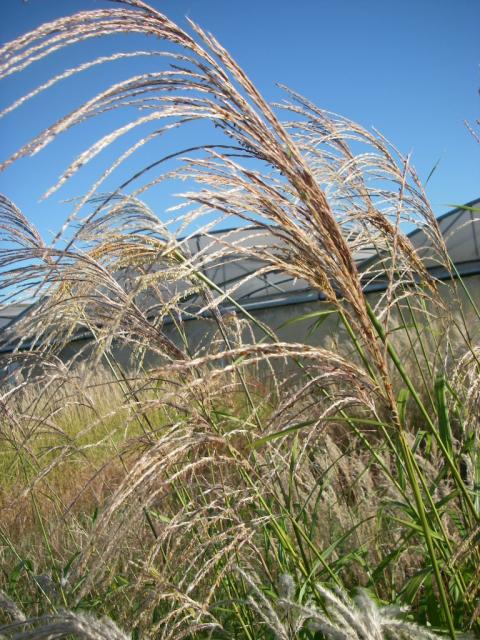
233 484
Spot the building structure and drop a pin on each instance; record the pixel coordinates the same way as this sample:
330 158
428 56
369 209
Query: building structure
275 298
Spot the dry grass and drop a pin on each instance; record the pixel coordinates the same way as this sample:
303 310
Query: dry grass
154 494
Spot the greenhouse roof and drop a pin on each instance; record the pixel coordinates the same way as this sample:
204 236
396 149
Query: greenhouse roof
238 274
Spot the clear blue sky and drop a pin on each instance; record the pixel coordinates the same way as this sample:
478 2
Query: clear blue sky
410 69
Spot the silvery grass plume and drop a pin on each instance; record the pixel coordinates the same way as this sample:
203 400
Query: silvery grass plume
64 624
59 625
342 618
10 608
305 178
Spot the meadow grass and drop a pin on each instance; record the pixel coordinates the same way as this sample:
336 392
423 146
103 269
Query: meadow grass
241 486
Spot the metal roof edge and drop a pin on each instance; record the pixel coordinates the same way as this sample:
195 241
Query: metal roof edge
314 296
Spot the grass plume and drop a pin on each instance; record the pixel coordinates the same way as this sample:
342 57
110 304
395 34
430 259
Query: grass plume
350 462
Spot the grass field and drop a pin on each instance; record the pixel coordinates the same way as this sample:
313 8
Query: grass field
250 488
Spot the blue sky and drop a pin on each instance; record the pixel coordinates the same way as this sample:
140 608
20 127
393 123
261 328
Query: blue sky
410 69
